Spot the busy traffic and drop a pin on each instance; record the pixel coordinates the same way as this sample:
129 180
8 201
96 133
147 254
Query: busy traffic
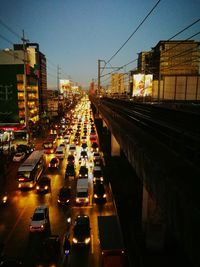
57 194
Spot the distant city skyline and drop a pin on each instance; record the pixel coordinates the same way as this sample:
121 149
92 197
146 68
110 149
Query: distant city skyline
75 34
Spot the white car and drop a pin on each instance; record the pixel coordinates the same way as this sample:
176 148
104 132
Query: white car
19 156
40 219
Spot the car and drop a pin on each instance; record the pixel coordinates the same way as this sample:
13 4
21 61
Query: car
84 139
19 156
93 138
83 172
76 141
71 159
84 155
27 149
99 193
94 147
62 145
60 152
97 162
54 163
97 174
96 155
72 149
43 184
70 170
81 230
66 139
40 219
84 147
64 195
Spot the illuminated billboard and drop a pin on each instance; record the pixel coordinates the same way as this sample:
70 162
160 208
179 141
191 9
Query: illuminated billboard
142 84
64 86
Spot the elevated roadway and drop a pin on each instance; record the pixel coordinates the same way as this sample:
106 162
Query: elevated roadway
167 164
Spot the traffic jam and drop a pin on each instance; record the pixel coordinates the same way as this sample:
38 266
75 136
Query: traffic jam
72 194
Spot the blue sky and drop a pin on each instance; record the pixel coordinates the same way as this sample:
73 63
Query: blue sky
74 34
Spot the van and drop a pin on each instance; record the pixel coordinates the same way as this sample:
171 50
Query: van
98 174
60 152
82 194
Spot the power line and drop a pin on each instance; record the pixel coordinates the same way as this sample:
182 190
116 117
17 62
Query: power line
177 55
5 39
186 28
9 29
132 34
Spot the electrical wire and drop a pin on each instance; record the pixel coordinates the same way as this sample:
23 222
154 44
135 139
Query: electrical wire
5 39
132 34
9 29
177 44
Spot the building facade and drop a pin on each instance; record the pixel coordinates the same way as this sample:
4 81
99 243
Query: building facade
118 83
175 69
22 85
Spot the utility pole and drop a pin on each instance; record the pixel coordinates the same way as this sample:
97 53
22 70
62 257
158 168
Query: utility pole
99 76
58 77
25 86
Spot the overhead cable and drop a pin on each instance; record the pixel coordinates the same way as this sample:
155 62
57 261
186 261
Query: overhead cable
132 33
9 29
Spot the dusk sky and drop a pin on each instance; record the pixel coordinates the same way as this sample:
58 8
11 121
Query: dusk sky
74 34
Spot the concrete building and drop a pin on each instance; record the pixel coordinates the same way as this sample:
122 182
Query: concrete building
175 68
18 104
117 83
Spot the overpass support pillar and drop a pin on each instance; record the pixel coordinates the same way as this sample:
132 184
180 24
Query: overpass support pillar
115 147
153 223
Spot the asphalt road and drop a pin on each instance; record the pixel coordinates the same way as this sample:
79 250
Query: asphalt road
16 215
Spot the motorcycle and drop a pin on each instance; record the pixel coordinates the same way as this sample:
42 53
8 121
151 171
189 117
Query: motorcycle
4 198
66 246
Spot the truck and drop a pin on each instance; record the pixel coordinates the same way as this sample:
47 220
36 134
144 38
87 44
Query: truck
111 241
82 194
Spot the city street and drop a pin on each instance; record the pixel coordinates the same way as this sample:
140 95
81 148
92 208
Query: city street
16 215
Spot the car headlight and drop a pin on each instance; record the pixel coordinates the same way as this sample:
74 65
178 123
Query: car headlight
46 187
87 240
104 196
75 241
95 195
4 199
37 187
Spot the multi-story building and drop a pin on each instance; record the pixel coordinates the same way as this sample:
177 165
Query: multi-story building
117 83
171 58
175 69
22 85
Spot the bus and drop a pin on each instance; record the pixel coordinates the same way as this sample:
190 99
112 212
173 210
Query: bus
31 169
49 144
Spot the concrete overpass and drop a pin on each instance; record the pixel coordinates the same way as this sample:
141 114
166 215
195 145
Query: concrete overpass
170 184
